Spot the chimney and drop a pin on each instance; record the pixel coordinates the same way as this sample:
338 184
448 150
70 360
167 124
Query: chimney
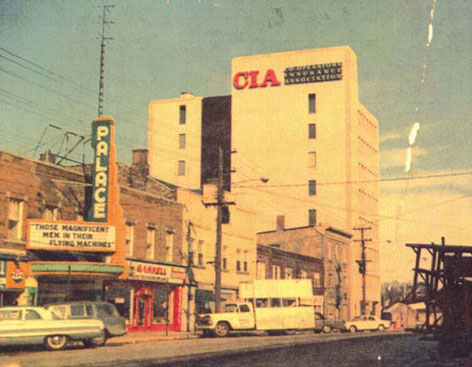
140 161
280 222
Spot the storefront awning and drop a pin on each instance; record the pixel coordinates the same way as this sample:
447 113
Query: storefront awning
45 267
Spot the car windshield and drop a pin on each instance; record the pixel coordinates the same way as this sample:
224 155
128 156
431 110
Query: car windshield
231 308
357 318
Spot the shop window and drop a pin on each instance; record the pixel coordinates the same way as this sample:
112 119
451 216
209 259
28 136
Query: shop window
181 168
183 114
50 213
288 273
261 270
150 242
312 217
312 187
15 218
169 245
200 253
275 272
129 239
312 103
311 131
182 142
311 159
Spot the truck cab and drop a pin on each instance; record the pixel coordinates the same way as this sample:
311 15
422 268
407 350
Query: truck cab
236 316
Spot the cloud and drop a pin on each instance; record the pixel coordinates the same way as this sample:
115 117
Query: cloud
396 157
391 136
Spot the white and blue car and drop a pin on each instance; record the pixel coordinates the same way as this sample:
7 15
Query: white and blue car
36 325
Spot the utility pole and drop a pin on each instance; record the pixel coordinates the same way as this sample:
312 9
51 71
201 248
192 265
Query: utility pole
190 275
220 203
363 264
101 83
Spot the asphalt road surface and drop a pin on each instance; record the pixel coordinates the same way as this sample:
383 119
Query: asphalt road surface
361 349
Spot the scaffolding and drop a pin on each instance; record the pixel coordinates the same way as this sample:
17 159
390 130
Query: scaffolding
445 271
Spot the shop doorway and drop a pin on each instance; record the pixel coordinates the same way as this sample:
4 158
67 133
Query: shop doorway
143 308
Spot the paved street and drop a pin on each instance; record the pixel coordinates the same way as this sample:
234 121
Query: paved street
362 349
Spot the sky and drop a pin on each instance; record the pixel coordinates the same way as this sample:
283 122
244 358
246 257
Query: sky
49 71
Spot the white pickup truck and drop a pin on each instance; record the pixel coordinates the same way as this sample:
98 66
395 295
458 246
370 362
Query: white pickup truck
267 305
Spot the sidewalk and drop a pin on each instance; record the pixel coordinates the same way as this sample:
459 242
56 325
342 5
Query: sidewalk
139 337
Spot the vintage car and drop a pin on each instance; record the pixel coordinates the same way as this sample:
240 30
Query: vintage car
36 325
322 325
82 310
366 322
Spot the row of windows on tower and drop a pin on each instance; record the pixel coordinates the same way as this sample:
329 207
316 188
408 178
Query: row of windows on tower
312 158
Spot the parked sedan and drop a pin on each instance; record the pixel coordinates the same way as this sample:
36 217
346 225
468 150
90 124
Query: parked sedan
36 325
370 322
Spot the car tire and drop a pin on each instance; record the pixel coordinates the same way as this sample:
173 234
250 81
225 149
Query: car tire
381 328
222 329
353 329
98 341
326 329
55 342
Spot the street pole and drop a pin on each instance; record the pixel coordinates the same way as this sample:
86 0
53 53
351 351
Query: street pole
363 265
189 273
219 208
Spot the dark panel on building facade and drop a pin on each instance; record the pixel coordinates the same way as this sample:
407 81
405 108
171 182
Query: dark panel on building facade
216 132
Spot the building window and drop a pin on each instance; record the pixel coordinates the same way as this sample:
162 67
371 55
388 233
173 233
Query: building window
311 131
169 245
261 270
200 253
303 274
15 218
129 239
275 272
183 114
288 273
245 266
311 159
224 259
182 141
181 168
50 213
312 217
312 103
150 242
312 187
317 279
238 265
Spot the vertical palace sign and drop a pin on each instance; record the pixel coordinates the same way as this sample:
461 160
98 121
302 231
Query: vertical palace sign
101 131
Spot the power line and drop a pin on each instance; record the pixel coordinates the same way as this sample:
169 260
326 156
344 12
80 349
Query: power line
390 179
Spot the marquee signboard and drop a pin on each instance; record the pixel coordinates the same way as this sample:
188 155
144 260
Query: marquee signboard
101 139
70 236
156 272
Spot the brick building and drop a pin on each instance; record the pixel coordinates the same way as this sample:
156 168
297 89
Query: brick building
275 263
149 296
328 244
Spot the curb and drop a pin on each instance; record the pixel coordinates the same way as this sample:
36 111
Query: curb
131 340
